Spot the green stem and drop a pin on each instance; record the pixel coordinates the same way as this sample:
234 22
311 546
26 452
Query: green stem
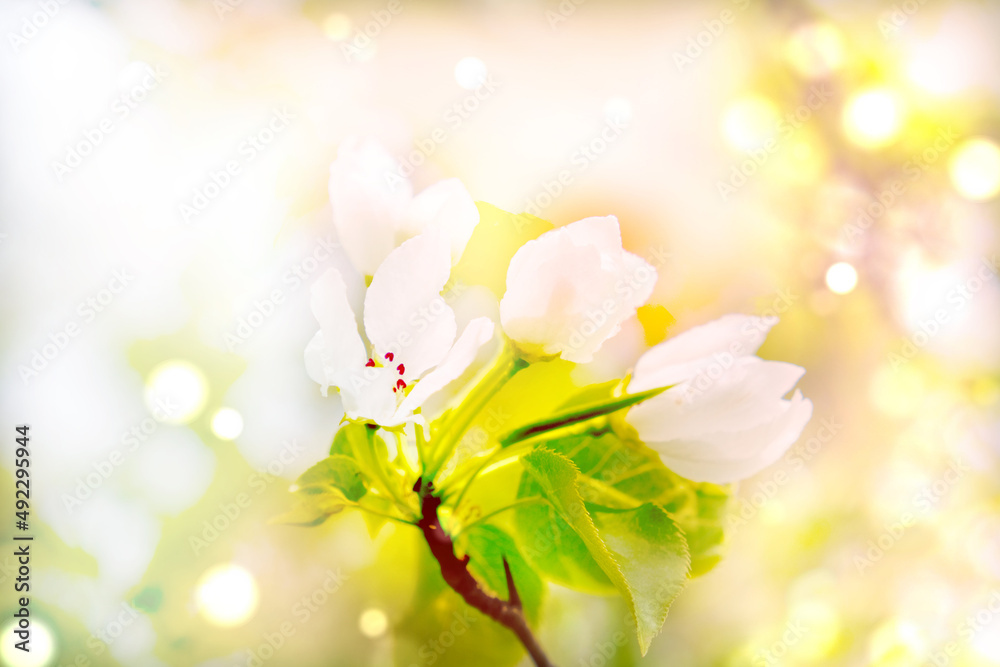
380 472
523 501
490 460
456 425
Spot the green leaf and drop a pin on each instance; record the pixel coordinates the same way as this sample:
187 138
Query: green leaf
652 553
362 444
487 546
324 490
577 415
553 548
619 471
342 443
641 550
338 473
496 238
311 511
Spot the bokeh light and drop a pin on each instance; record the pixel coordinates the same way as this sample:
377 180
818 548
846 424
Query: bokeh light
841 278
471 73
975 169
873 118
176 391
373 623
618 110
226 595
897 642
43 651
227 423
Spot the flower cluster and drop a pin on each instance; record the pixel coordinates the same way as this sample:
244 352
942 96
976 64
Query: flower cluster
722 417
625 476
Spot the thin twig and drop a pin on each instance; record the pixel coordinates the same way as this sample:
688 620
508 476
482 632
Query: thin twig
456 574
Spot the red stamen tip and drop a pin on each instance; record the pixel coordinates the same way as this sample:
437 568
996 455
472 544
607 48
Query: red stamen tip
389 356
371 362
401 368
399 385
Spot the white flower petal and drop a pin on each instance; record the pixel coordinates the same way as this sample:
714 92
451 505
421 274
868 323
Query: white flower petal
546 283
722 458
337 350
372 397
315 367
570 289
369 200
448 208
640 279
476 334
405 313
726 418
740 397
718 342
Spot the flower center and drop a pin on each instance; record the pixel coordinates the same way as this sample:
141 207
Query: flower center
401 369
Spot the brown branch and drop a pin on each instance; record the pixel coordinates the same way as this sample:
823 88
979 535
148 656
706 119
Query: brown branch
456 574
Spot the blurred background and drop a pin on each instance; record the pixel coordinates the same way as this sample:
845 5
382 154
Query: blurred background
163 210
